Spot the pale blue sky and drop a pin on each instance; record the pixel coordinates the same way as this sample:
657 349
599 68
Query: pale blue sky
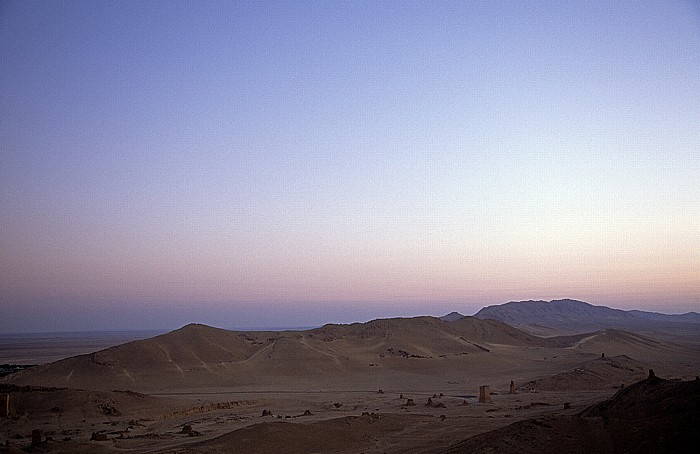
413 157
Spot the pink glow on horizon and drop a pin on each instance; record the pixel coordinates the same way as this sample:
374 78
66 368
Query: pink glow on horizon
471 153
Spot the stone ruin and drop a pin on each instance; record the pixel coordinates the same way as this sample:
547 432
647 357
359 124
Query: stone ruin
410 403
99 436
484 394
187 430
432 403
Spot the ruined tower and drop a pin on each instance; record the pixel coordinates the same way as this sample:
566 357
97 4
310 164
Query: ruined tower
484 394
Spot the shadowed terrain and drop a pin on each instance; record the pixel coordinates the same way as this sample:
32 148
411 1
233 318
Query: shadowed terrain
651 416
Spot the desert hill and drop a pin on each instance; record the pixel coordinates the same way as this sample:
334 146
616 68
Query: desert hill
617 342
651 416
497 332
621 358
558 317
41 403
599 373
202 356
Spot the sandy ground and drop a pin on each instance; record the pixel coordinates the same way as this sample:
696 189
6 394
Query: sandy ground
299 394
389 425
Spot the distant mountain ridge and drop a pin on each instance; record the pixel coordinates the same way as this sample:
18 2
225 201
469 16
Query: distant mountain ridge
574 317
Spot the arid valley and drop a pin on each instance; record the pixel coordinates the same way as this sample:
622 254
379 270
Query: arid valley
367 226
390 385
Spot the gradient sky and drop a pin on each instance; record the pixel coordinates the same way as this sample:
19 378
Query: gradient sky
296 163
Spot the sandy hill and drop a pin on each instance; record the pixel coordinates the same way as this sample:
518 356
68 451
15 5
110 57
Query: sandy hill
651 416
497 332
202 356
600 373
41 403
617 342
622 358
574 317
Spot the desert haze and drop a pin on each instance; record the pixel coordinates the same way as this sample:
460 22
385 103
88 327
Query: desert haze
388 385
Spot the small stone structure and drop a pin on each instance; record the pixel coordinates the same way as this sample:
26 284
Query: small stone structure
484 394
187 430
512 387
410 403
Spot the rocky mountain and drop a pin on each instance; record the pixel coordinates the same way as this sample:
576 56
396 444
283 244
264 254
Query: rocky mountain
566 316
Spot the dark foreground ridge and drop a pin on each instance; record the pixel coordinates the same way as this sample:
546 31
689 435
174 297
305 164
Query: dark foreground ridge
651 416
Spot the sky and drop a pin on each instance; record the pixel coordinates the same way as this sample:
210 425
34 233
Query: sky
252 164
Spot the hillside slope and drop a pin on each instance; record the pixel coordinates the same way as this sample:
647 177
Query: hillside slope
650 416
202 356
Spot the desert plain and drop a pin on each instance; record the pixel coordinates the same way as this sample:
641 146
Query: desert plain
389 385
